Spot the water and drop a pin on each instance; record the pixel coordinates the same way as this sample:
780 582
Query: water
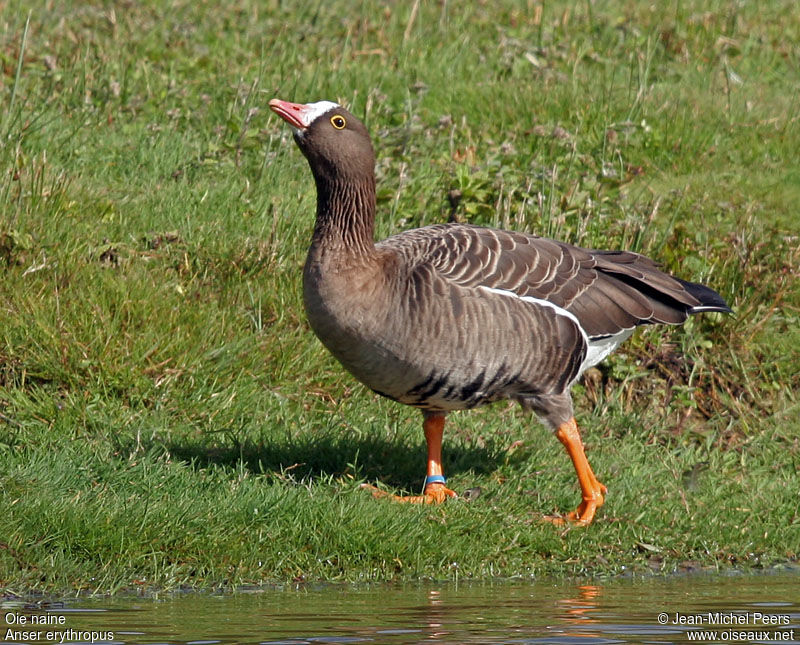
695 608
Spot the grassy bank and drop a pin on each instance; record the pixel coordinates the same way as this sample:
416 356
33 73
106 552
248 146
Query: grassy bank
166 416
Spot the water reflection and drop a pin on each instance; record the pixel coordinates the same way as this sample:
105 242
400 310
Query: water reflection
761 609
580 610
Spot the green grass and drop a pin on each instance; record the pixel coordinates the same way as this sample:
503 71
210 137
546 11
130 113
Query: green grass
166 416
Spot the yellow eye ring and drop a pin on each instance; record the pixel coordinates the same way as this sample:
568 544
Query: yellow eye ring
338 122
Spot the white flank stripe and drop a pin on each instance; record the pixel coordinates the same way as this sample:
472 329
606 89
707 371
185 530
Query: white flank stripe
596 350
543 303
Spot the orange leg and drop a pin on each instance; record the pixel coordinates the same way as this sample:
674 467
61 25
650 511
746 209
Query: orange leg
592 490
435 491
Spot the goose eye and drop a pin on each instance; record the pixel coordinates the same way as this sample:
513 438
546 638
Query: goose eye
338 122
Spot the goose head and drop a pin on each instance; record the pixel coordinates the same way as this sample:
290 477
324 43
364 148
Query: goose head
335 143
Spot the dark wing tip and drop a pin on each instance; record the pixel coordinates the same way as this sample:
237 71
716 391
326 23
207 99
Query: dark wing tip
709 299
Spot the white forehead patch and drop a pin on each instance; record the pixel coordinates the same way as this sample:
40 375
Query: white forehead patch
315 110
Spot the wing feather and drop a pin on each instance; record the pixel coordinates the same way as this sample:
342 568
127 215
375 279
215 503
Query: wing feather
607 291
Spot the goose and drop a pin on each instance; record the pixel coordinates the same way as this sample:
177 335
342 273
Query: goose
454 316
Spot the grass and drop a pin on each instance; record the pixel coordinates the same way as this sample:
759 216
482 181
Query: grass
166 416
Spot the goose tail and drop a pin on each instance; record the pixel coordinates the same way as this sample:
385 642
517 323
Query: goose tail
709 299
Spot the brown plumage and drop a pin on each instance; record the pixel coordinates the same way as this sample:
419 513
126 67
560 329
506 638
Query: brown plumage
454 316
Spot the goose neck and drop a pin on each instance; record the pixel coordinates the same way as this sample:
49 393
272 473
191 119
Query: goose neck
345 217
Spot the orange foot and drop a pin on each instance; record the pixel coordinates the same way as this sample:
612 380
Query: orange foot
584 514
592 491
434 494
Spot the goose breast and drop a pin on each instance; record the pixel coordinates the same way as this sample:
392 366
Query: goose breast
411 331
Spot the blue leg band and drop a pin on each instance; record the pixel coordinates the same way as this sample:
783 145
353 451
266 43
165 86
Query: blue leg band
435 479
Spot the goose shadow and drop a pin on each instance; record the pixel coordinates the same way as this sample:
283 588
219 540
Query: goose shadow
396 463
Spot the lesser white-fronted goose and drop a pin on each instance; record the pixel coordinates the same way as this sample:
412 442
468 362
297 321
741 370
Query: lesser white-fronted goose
453 316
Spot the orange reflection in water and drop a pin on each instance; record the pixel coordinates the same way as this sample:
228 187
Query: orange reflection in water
579 610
